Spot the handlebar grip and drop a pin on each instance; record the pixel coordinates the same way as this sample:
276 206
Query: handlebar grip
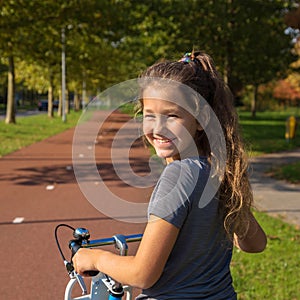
91 273
75 245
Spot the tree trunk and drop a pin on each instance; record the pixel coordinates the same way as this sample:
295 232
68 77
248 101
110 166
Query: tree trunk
84 100
59 111
254 101
11 109
67 104
76 101
50 97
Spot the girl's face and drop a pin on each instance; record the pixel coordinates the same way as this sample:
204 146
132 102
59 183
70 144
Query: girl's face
169 128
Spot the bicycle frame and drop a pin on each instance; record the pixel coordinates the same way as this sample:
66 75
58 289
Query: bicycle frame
102 287
98 290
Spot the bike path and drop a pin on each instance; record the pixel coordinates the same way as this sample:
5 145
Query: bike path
39 191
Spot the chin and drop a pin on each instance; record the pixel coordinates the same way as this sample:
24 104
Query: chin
167 157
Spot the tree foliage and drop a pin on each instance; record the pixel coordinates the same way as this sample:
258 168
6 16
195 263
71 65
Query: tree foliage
108 41
13 40
286 90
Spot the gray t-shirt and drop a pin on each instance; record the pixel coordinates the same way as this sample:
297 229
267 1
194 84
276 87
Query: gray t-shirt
198 266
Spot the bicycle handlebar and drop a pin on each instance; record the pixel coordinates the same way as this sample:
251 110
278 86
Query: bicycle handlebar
119 240
81 240
110 241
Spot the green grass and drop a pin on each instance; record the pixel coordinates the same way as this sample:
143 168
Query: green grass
29 130
289 172
274 273
266 132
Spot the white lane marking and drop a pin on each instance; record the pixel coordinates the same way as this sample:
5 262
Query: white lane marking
50 187
18 220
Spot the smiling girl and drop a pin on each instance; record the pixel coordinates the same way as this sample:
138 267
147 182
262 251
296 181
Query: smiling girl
186 248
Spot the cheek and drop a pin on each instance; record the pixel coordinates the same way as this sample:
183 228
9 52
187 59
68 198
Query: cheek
185 133
178 129
147 127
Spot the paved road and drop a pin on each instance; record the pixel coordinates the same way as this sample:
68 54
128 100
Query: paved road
31 267
276 197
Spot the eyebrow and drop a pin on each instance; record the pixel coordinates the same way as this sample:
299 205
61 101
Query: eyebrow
165 111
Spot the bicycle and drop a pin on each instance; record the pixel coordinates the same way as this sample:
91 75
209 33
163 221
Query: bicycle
102 287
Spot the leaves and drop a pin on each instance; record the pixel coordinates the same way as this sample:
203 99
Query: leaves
111 41
287 90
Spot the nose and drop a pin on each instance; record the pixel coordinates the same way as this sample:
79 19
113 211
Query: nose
159 125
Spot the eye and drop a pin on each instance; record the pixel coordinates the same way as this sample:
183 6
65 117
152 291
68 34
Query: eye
149 116
173 116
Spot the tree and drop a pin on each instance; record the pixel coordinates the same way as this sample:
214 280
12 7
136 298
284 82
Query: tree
267 53
287 92
10 37
111 41
90 31
18 40
247 41
245 38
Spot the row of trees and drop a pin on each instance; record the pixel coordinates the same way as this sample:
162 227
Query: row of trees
108 41
287 90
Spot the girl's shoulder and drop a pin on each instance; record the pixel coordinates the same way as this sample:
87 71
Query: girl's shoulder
196 163
186 170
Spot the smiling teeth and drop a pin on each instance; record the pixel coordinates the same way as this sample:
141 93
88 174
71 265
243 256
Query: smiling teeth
162 141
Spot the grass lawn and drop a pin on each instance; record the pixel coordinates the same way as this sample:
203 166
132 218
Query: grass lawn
29 130
266 132
290 172
274 273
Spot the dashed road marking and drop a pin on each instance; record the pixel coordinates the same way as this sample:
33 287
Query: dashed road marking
18 220
50 187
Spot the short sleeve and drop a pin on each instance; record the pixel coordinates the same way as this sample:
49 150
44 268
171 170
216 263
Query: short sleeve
171 199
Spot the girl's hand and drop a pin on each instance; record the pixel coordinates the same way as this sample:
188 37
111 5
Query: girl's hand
86 260
141 270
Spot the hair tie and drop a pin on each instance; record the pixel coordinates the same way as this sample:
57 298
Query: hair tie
187 58
190 57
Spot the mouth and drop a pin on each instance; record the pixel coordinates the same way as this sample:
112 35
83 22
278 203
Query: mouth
162 141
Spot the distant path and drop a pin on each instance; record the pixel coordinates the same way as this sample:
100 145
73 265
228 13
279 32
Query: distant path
27 113
276 197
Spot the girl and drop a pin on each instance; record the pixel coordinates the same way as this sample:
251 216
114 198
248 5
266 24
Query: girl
186 249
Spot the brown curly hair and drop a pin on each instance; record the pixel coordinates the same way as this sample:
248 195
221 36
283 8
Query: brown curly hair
200 74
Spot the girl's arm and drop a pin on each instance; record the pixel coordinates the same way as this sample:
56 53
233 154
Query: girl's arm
141 270
255 239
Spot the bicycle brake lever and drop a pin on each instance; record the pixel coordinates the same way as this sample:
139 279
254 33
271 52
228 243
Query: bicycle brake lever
69 266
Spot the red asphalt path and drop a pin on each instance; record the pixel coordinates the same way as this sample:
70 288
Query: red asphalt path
30 265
